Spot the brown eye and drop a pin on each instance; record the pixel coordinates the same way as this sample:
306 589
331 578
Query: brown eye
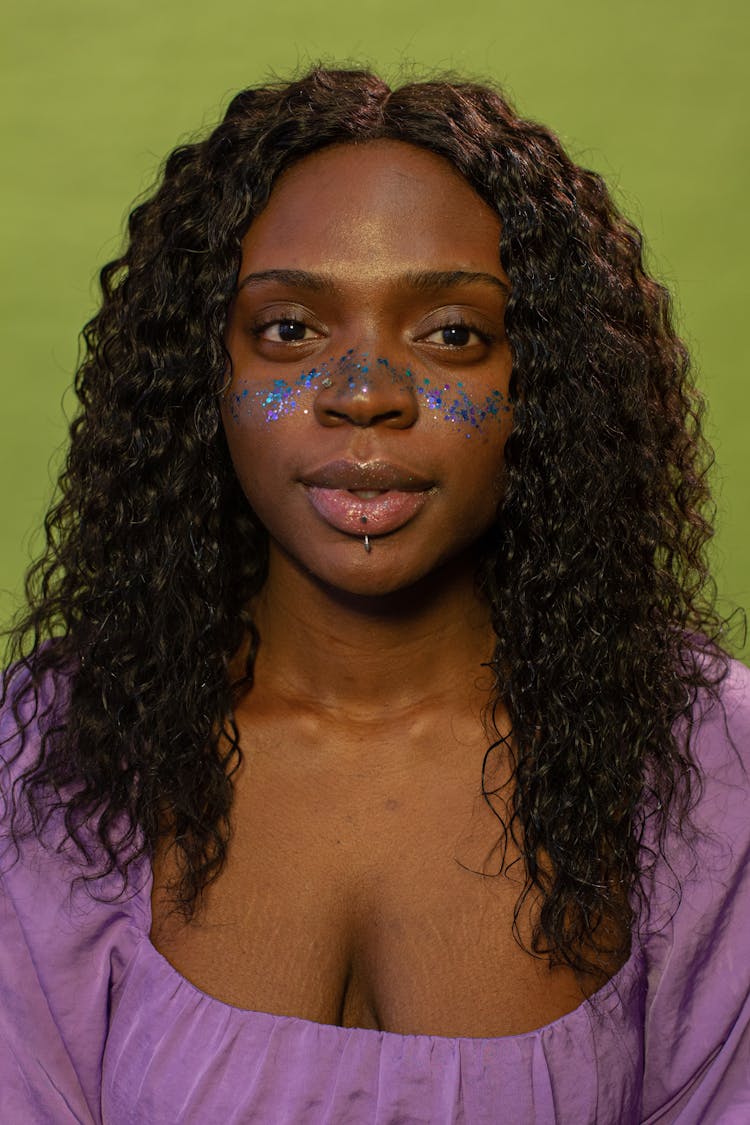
456 335
291 330
283 331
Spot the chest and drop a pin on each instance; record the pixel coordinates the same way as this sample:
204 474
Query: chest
365 897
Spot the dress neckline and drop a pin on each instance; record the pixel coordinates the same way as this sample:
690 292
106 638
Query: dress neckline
615 988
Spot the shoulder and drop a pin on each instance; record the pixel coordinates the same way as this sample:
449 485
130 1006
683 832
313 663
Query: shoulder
33 706
695 944
720 749
722 726
718 836
34 835
64 941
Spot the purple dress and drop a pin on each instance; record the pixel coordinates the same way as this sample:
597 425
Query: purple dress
96 1026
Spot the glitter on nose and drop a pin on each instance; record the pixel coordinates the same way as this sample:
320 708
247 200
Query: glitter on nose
349 373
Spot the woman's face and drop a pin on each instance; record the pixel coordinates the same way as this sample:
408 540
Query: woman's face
370 367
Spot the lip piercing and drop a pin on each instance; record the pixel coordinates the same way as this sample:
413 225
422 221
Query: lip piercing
368 548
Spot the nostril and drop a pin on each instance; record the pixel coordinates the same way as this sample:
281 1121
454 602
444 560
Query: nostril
357 417
365 394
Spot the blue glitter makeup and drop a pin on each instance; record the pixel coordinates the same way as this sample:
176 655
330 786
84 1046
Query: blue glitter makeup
282 397
349 374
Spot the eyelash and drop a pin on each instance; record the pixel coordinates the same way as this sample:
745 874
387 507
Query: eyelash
455 322
259 329
460 322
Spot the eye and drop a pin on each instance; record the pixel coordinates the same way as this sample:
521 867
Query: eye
457 335
284 330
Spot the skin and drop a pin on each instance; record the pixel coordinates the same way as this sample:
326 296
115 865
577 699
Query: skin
366 241
354 891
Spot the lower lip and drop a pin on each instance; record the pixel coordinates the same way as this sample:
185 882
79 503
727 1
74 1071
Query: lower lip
388 511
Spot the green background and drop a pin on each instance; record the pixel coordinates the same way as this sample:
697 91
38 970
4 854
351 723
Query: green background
95 93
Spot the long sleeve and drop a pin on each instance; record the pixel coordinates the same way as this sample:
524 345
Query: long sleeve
60 950
697 1034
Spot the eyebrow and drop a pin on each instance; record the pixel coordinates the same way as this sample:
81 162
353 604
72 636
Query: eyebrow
422 280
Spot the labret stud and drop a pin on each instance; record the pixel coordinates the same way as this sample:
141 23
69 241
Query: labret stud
368 548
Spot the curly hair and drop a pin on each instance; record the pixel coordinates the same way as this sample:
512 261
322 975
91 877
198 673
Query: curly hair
596 573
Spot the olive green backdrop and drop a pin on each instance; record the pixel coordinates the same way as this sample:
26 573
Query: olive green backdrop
95 93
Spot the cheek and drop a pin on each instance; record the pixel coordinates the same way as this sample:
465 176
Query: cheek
479 472
482 479
262 405
463 409
255 452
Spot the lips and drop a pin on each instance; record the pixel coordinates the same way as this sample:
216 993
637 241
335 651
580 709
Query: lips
372 497
362 476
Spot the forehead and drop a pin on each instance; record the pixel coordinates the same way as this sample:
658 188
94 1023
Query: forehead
384 204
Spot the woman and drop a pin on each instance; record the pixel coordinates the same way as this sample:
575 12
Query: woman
371 752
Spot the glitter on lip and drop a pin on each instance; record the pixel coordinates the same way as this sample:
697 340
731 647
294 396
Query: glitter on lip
386 512
382 495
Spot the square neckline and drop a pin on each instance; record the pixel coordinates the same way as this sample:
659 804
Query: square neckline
617 985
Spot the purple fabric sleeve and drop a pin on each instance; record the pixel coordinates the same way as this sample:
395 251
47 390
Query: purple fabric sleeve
59 952
697 1033
96 1026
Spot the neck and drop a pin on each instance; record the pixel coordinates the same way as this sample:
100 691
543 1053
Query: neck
365 656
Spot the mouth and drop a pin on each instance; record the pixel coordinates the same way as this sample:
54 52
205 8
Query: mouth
368 498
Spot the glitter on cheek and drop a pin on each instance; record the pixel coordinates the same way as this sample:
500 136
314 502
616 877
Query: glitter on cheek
272 402
457 407
280 399
350 374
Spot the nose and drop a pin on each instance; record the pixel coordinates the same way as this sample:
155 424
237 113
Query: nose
360 392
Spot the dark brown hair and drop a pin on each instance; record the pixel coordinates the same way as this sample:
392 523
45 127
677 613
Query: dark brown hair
596 571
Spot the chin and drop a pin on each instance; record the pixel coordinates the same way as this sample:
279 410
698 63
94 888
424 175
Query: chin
383 575
364 580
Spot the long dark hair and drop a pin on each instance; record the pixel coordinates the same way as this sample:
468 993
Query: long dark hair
596 572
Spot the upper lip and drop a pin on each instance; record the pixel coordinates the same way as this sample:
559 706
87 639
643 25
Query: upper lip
362 476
